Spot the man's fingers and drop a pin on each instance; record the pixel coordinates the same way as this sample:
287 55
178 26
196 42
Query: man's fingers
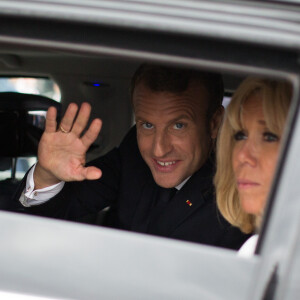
50 125
68 118
82 118
92 133
91 173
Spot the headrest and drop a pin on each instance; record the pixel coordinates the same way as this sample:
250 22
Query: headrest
20 131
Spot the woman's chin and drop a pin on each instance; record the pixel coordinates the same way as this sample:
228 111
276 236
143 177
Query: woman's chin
252 205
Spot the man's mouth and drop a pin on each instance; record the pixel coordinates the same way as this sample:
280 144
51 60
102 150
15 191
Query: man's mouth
166 163
165 166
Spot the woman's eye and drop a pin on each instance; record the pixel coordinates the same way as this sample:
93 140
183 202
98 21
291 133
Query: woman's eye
271 137
239 136
147 125
178 126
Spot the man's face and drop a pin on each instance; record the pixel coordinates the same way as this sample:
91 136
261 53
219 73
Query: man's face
172 132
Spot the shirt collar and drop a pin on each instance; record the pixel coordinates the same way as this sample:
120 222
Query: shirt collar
180 185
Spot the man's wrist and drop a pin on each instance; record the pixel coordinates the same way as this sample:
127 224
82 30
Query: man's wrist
31 196
43 178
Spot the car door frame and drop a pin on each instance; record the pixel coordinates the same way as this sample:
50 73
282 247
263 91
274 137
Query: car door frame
200 271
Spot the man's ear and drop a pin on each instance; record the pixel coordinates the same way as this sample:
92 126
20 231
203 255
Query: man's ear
215 122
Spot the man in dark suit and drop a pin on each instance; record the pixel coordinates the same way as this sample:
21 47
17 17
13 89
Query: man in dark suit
178 113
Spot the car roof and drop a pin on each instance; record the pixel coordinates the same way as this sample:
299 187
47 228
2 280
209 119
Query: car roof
249 21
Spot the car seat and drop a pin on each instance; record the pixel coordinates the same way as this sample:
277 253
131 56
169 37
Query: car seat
21 127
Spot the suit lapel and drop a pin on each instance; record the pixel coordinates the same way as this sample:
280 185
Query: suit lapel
187 201
144 206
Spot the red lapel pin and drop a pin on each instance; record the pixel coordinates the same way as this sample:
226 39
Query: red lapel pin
189 202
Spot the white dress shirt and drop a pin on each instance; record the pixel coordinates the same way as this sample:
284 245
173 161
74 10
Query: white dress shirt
31 197
248 248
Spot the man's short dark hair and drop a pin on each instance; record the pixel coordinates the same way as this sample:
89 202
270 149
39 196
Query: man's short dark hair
176 80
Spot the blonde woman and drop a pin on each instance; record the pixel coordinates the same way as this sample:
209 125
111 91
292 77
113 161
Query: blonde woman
247 152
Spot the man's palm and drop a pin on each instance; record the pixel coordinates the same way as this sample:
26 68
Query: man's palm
61 153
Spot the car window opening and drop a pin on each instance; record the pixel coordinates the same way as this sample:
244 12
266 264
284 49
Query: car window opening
16 169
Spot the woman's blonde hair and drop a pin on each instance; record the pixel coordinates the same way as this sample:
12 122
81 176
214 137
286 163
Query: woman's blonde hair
276 98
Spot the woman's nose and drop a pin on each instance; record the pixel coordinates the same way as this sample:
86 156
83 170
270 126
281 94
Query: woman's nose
247 153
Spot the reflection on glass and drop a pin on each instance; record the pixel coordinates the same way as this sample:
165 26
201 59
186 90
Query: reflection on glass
23 165
38 86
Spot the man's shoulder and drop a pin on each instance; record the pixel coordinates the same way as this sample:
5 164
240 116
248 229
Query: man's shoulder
124 160
129 142
129 150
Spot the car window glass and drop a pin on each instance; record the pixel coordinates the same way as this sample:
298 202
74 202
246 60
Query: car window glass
38 86
22 166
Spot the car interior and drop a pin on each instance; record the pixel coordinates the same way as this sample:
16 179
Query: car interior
21 129
101 80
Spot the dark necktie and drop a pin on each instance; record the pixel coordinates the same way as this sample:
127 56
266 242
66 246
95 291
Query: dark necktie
165 195
163 198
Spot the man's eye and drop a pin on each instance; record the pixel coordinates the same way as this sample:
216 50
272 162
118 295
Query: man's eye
147 125
270 137
240 135
178 126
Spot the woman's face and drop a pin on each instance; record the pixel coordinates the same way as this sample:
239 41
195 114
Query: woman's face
255 154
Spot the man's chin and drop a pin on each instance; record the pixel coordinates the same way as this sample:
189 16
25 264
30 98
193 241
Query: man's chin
166 182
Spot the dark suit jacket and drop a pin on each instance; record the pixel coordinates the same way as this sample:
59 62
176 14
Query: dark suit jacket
127 186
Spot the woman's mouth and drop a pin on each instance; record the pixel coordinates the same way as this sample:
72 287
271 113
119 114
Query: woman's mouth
246 184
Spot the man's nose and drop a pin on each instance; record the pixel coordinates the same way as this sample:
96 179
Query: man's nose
247 154
162 144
